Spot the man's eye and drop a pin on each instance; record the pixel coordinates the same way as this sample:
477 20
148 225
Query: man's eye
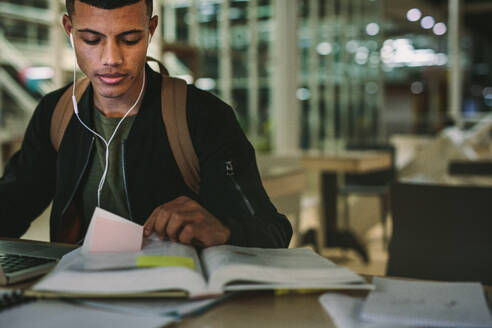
131 42
91 42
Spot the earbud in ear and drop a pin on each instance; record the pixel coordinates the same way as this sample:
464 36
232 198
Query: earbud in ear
71 40
150 37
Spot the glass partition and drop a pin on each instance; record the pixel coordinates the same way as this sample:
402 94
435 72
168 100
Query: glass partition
340 86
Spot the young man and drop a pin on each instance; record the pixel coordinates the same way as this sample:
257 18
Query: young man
143 181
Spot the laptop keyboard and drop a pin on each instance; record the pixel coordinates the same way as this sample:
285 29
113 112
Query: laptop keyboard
12 263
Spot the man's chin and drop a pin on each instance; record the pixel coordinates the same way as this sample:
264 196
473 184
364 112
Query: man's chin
112 95
115 91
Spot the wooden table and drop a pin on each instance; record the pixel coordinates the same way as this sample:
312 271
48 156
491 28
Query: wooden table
332 166
267 310
263 309
347 161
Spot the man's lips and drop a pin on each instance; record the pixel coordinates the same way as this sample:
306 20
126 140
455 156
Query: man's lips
111 78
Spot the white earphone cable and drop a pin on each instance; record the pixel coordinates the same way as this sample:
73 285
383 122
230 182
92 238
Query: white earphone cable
106 143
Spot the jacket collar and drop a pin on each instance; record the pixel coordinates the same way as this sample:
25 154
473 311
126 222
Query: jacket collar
152 100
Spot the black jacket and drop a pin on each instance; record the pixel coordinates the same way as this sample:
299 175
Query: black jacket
37 174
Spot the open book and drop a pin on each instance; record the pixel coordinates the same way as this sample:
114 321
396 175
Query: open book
166 266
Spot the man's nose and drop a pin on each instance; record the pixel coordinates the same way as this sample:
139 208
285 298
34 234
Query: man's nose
112 55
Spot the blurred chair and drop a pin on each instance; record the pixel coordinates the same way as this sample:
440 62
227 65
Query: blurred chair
373 183
441 232
463 167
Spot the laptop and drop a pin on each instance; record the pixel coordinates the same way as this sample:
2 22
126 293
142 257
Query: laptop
24 259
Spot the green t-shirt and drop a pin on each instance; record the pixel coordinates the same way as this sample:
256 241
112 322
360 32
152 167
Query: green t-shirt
113 196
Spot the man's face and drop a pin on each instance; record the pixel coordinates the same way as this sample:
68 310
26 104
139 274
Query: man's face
111 45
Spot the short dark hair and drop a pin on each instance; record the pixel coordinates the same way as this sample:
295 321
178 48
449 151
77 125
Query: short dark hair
107 4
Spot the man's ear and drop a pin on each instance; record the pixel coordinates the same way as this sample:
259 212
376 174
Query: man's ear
153 24
67 24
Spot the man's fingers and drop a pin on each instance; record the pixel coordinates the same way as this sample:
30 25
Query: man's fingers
149 225
174 225
186 221
186 235
161 222
159 218
157 222
177 222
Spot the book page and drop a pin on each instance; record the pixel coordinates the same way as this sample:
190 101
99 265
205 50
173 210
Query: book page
128 260
117 273
295 267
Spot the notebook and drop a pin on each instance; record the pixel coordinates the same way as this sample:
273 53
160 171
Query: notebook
164 266
24 259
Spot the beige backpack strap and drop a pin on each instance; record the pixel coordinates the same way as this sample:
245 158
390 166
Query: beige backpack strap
64 110
173 97
162 69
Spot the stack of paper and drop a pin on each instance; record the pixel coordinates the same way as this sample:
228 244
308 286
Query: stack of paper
345 312
59 314
425 303
172 307
403 303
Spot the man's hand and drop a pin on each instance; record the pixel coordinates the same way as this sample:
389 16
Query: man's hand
186 221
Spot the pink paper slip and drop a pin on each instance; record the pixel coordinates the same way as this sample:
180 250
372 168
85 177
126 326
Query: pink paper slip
109 232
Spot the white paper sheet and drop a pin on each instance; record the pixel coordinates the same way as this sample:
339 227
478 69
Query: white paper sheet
423 303
109 232
59 314
345 312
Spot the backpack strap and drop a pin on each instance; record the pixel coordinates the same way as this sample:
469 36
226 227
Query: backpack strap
162 69
70 229
64 110
173 100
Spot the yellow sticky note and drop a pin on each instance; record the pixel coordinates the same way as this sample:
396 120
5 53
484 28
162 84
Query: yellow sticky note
164 261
